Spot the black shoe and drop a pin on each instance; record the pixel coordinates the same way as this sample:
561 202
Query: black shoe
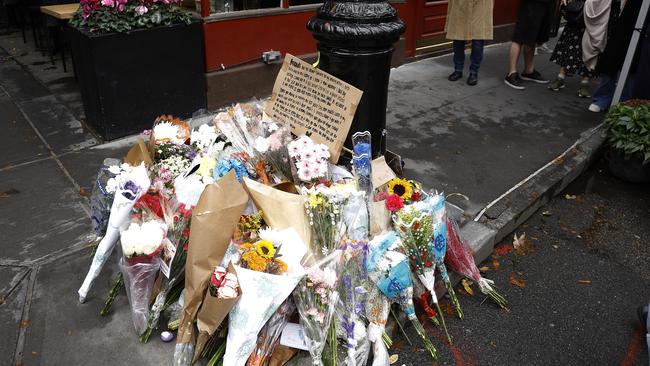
455 76
514 81
534 76
472 79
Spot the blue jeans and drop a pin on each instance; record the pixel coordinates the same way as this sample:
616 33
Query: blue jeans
475 58
605 92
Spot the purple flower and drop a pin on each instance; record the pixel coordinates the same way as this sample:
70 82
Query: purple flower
141 9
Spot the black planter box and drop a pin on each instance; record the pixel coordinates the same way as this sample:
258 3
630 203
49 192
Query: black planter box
127 80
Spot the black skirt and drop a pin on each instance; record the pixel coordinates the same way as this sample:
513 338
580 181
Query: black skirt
568 51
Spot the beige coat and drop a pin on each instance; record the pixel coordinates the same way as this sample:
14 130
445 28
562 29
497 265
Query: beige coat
469 19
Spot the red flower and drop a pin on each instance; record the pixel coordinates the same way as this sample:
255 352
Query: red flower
380 196
150 201
394 202
428 264
416 196
185 211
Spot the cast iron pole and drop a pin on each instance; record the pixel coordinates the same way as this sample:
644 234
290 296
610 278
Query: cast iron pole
355 41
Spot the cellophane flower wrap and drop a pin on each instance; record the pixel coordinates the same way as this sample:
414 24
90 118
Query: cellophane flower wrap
128 189
271 142
391 272
438 244
316 297
414 224
262 294
142 242
377 311
460 260
362 161
101 197
269 336
354 287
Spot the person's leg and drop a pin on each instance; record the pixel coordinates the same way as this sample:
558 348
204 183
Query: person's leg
583 91
477 55
459 55
529 57
558 83
604 94
515 51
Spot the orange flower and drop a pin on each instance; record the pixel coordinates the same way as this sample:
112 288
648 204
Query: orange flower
281 265
247 246
254 261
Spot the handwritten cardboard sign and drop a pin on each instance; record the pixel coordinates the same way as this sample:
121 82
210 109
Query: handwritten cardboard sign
314 103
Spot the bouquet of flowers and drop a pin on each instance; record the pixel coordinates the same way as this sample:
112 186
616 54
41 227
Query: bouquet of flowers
377 311
414 224
129 187
262 292
461 261
324 208
390 271
269 336
316 296
309 159
354 287
438 245
271 143
100 197
141 246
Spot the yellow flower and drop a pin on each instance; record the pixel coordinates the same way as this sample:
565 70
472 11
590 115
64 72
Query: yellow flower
254 261
282 267
265 249
400 187
247 246
206 166
315 200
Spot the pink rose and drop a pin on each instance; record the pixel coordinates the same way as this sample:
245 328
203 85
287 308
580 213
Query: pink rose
108 3
226 292
218 276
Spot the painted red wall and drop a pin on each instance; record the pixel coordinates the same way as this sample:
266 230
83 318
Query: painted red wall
237 41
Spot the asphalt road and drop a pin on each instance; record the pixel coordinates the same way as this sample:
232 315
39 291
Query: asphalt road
579 286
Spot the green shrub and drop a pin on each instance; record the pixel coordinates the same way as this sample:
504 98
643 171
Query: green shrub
628 128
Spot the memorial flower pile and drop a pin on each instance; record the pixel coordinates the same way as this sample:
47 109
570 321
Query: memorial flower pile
250 232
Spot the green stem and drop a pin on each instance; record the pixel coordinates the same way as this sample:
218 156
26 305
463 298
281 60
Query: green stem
454 298
401 328
442 317
218 355
112 294
427 343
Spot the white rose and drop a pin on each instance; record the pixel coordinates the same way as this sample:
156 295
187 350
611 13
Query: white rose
231 278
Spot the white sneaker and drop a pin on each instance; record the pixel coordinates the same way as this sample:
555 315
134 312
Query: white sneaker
594 108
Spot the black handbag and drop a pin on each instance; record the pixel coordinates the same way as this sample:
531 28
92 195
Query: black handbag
574 13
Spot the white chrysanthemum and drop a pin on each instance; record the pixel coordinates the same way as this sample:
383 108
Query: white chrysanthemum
204 136
166 131
274 236
115 169
261 144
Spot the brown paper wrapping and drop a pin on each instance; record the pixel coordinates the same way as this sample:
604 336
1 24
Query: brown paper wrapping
381 172
213 222
139 153
280 209
281 355
380 219
212 313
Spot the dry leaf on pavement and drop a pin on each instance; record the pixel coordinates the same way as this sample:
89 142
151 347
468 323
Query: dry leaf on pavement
584 282
522 245
467 285
392 359
496 264
516 280
484 269
569 196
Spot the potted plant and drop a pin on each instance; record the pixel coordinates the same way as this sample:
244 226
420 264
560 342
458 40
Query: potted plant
135 60
628 131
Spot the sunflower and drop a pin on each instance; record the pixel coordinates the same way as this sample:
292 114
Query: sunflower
265 249
400 187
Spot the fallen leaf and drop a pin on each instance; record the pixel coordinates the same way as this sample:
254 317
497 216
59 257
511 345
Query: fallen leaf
496 264
448 309
517 281
584 282
24 324
8 192
84 193
34 353
569 196
555 246
503 249
467 286
522 245
546 213
392 359
484 269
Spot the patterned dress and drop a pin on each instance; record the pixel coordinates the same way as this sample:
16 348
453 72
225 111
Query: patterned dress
568 50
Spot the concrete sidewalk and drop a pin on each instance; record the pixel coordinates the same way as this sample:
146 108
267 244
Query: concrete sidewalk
479 141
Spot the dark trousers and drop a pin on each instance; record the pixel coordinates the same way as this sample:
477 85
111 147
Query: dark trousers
475 57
